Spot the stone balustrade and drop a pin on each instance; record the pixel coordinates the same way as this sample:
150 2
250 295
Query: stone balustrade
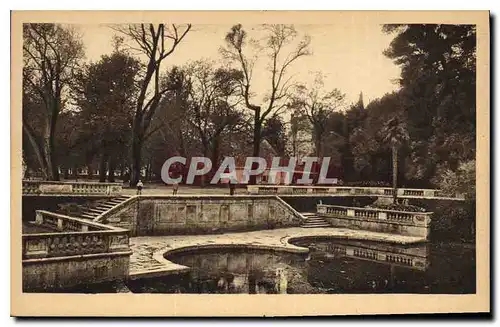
72 236
405 217
350 191
73 188
77 252
380 220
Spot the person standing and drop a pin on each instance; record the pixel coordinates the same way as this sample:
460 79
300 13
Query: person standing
139 187
231 188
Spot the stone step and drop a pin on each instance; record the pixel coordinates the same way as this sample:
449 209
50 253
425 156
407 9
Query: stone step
324 224
98 211
313 220
88 216
113 204
106 205
103 209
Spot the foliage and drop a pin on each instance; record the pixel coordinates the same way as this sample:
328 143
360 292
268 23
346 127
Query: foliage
104 93
318 105
459 181
274 133
130 110
438 65
278 39
51 54
155 43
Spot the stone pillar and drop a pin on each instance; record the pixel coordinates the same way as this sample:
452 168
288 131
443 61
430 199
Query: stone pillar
429 193
118 243
36 248
59 224
39 218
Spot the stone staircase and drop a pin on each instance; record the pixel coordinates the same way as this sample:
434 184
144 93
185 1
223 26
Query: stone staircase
313 220
93 212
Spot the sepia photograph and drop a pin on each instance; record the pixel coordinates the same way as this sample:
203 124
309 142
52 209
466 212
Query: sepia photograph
243 159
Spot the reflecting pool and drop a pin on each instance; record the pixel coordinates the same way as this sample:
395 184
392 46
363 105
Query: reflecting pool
339 266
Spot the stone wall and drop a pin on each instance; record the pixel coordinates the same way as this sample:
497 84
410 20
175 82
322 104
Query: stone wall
76 252
52 274
170 215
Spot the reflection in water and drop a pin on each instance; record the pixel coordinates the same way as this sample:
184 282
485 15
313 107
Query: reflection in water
330 267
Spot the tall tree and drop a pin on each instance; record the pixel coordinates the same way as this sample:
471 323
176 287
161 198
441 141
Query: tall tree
395 134
51 54
274 45
369 153
354 120
438 69
318 105
212 104
156 43
105 92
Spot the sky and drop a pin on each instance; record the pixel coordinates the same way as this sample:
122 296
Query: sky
349 55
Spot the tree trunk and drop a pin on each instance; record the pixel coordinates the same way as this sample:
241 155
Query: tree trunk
122 170
205 154
147 175
38 151
395 173
256 142
48 146
111 169
136 159
182 147
65 173
46 153
74 172
318 141
215 152
90 172
102 168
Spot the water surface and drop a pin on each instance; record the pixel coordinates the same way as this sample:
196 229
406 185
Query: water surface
331 267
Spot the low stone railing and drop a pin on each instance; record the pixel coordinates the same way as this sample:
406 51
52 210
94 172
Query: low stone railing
76 188
372 214
349 191
72 236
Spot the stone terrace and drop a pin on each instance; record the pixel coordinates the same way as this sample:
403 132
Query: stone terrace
147 259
